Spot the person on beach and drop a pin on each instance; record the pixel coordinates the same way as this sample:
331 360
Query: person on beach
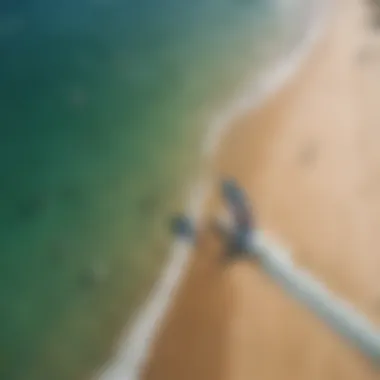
235 236
183 227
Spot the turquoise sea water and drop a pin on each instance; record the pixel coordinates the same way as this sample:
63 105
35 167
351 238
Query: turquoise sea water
103 105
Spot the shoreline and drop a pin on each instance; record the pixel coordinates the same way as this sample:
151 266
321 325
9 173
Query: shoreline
306 168
136 342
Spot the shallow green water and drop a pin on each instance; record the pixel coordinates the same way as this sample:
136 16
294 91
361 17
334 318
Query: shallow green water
103 105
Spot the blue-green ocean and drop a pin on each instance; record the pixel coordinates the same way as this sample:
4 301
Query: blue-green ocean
103 107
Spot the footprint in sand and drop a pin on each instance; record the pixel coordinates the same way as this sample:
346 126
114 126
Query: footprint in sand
308 154
368 54
363 55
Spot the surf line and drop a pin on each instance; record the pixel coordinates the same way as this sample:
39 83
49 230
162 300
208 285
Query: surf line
136 341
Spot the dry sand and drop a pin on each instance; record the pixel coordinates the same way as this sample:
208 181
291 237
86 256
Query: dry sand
310 160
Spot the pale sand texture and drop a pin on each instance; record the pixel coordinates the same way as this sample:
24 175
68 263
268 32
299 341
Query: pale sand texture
310 160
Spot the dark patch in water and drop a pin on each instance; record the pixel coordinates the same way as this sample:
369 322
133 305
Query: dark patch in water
10 6
149 204
57 251
78 97
95 275
32 207
72 194
86 280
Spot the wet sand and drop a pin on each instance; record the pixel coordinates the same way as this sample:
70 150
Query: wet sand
310 161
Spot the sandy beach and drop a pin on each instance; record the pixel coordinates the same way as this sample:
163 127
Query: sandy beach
310 161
